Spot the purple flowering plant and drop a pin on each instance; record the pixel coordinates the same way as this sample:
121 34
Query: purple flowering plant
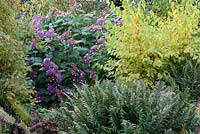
70 43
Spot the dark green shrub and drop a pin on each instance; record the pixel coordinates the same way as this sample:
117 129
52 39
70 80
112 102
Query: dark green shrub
186 75
135 108
69 43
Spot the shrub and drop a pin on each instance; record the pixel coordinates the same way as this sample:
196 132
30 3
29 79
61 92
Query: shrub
134 108
13 84
61 53
145 43
185 75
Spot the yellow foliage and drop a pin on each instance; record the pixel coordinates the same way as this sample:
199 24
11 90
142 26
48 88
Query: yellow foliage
145 43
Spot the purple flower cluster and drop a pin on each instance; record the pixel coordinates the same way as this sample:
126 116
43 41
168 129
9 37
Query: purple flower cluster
48 34
54 89
71 41
53 72
64 35
37 20
86 59
101 20
94 27
94 49
75 70
46 64
76 73
118 22
101 40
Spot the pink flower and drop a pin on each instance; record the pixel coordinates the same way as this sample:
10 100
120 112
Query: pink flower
101 40
50 33
94 49
71 41
101 20
94 27
40 34
118 22
64 35
86 59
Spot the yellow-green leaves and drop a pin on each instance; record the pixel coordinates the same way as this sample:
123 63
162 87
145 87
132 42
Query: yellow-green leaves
146 42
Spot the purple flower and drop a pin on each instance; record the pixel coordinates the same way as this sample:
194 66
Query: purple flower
94 27
55 67
51 88
40 34
101 40
49 33
64 35
33 46
94 48
49 72
58 77
37 26
74 69
36 18
58 92
118 22
92 74
101 20
37 22
86 59
46 63
71 41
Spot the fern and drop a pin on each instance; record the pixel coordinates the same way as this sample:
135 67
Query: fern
133 108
